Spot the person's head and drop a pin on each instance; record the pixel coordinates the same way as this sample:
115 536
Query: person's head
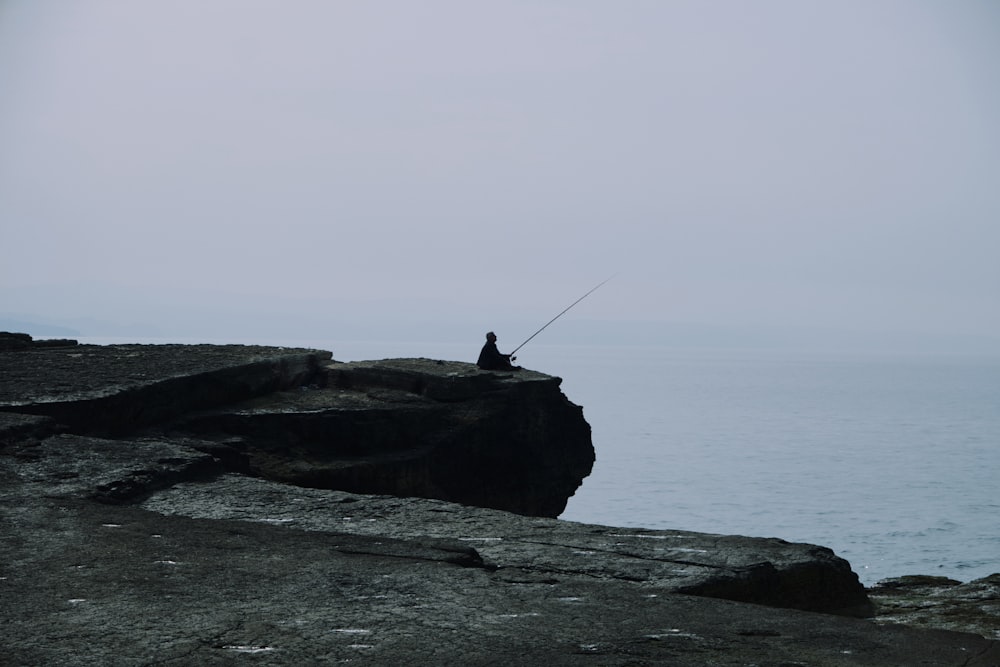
491 337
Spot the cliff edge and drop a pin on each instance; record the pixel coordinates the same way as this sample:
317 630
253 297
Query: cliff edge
184 505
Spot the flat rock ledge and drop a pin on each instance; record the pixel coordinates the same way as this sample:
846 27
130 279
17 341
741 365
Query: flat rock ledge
940 602
137 530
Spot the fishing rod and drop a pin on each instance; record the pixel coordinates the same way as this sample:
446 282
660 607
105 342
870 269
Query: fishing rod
558 316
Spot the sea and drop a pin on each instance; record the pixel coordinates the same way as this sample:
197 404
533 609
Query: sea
891 460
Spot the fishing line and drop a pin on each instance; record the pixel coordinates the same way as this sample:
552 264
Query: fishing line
560 315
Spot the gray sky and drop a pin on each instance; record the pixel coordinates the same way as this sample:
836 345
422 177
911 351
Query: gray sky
782 163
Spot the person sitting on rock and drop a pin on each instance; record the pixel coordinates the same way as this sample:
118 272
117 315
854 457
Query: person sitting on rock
490 358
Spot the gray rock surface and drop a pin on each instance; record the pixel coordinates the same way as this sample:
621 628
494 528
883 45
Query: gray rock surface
114 389
307 576
940 602
136 543
765 571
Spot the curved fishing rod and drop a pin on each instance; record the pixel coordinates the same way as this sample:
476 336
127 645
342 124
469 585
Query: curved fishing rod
559 315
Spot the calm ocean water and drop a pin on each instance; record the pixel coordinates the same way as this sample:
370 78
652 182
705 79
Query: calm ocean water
891 461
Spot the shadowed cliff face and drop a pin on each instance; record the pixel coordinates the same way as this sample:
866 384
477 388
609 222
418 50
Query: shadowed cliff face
414 427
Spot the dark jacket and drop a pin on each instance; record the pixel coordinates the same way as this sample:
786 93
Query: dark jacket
490 358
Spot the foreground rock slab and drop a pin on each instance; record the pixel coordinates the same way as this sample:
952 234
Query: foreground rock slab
306 577
764 571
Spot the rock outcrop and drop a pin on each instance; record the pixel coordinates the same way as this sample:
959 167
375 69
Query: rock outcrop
185 505
940 602
416 427
409 427
117 389
23 341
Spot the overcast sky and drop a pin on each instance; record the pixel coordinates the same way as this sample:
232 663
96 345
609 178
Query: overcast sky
788 163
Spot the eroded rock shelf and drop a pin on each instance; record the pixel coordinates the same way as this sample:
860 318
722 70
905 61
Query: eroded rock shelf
182 505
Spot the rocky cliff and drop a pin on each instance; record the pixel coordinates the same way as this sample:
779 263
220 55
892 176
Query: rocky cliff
408 427
415 427
185 505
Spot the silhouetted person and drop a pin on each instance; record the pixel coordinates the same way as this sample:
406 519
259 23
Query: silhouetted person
490 358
